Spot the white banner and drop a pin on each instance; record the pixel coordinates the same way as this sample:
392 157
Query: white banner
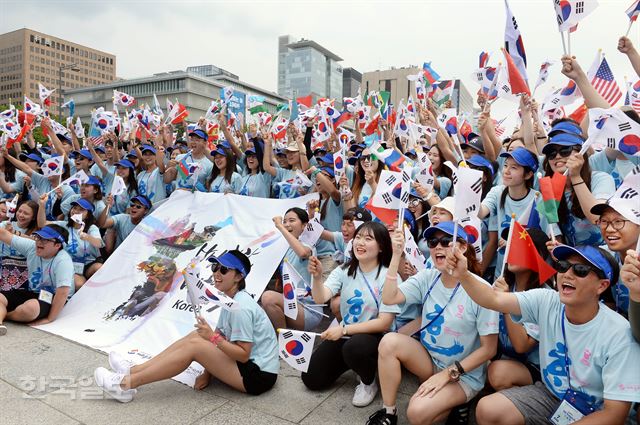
136 304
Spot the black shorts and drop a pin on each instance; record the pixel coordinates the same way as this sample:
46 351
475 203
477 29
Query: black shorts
256 381
17 297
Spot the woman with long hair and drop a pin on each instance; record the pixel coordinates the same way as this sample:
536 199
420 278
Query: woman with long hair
365 182
242 351
456 338
256 182
14 271
224 178
365 318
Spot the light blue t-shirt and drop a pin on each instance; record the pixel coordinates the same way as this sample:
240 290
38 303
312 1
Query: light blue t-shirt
332 222
48 274
365 193
257 185
287 189
220 185
123 226
203 173
580 231
81 252
445 186
17 185
506 346
360 296
251 324
42 185
98 205
301 265
603 356
617 168
456 332
7 250
342 255
151 184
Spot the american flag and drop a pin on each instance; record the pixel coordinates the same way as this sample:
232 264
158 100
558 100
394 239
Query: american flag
97 141
605 83
631 99
499 129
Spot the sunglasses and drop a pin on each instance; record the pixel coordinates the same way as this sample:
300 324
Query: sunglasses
136 206
368 158
445 241
415 202
218 268
580 270
564 152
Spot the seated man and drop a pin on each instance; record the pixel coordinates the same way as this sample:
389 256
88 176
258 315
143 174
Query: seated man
50 277
588 358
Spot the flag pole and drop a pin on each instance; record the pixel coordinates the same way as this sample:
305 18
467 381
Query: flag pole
569 41
453 243
506 250
564 45
629 28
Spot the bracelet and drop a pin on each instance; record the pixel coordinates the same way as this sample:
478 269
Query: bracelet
577 184
541 137
315 173
215 338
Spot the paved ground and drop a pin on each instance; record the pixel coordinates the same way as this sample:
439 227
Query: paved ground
45 379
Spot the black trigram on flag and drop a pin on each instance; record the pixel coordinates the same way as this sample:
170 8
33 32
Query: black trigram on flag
454 178
611 142
390 180
309 227
635 212
579 7
405 197
287 334
291 306
477 249
305 337
555 100
477 186
480 76
629 193
636 170
470 209
199 285
301 360
386 198
506 89
285 276
284 354
625 126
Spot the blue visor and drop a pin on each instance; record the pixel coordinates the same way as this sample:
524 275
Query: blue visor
522 157
566 127
47 232
480 161
562 139
124 163
148 148
199 133
230 261
592 255
446 227
32 157
83 203
142 201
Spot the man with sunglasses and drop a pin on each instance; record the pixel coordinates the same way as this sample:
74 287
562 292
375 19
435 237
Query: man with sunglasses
50 277
123 224
588 358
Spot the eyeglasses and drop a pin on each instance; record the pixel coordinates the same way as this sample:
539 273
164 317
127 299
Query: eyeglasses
136 206
616 224
564 152
445 241
580 270
39 238
218 268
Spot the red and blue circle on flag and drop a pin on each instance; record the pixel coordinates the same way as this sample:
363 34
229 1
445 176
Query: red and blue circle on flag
295 347
630 144
288 291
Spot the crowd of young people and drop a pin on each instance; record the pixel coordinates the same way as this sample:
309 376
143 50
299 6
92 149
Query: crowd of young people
466 328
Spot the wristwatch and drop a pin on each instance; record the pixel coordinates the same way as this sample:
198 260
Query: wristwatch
456 371
344 330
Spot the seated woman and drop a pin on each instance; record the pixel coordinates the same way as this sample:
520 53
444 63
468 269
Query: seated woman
365 317
242 352
457 337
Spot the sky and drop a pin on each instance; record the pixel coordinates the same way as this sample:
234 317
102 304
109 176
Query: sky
148 37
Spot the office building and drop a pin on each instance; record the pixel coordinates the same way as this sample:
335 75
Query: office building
305 67
351 80
29 57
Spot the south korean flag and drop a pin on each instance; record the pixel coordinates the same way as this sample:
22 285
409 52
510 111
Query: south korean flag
295 347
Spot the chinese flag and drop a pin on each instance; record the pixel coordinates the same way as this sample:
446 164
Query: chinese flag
517 82
523 253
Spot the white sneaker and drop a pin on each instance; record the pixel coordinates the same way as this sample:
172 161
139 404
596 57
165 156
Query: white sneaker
119 364
110 384
3 329
364 394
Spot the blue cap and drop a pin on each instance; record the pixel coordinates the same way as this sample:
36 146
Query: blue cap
328 170
142 200
32 157
133 153
100 149
446 227
48 232
83 203
522 157
83 152
328 158
218 151
125 163
199 133
590 254
148 148
230 261
566 127
356 147
480 161
250 151
280 152
413 192
562 139
94 181
409 219
45 149
225 144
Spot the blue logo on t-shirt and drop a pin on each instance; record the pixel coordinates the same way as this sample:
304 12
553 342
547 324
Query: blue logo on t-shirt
355 307
555 374
36 278
434 330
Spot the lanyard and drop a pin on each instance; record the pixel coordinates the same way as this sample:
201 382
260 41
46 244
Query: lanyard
426 297
566 352
245 184
373 294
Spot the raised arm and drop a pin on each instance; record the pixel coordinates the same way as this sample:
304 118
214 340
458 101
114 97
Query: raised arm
320 293
266 155
104 221
297 246
625 46
18 164
390 293
571 68
96 159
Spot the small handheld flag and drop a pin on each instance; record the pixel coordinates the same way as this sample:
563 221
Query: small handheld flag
295 347
52 166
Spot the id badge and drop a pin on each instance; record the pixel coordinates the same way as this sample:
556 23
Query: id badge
45 296
574 406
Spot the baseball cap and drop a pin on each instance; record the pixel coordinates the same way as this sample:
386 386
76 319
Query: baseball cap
328 170
32 157
47 232
197 133
624 207
124 163
591 254
234 260
93 180
142 200
522 157
83 152
360 214
446 227
475 143
148 148
562 139
565 127
328 158
480 161
83 203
